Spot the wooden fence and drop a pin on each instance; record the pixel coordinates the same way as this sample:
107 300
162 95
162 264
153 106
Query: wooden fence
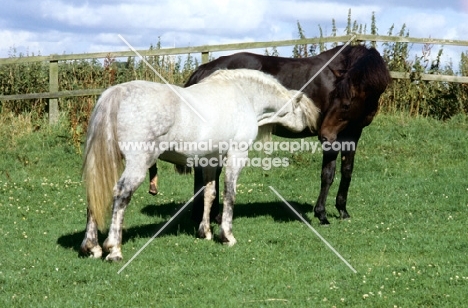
54 94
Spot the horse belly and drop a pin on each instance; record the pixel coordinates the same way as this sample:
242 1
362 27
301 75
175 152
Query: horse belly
190 159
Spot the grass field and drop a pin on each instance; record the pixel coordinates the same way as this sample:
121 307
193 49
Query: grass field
407 237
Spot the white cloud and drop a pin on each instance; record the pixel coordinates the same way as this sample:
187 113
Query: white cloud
425 23
21 41
321 11
210 15
68 14
75 26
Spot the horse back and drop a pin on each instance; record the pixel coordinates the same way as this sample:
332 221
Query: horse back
292 73
235 61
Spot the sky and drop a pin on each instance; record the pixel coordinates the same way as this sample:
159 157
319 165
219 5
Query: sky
43 27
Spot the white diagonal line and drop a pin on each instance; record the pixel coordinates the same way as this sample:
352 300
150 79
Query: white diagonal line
162 78
159 231
313 77
312 228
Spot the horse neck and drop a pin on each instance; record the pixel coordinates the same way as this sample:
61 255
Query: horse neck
276 105
266 99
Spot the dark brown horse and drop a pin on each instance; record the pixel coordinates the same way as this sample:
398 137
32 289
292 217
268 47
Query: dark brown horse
347 93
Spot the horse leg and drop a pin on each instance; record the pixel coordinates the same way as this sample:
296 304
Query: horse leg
328 174
132 177
347 165
233 169
214 214
198 202
90 245
209 194
153 186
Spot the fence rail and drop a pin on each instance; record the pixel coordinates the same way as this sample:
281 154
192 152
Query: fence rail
54 94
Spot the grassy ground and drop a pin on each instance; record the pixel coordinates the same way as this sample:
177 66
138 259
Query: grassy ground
407 236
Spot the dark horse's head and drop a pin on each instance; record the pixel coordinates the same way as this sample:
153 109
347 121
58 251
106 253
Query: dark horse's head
360 80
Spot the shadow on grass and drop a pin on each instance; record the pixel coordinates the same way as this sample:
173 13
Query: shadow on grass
183 224
180 225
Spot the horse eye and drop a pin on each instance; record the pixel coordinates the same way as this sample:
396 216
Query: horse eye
345 106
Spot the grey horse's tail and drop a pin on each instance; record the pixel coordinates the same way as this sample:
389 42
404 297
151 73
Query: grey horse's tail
103 161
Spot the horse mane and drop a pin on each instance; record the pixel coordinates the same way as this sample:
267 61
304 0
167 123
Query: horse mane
311 111
312 117
365 75
249 74
365 70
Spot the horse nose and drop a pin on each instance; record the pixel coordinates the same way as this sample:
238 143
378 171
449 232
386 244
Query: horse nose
328 138
327 135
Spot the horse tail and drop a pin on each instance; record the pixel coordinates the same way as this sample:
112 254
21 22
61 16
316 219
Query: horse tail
103 161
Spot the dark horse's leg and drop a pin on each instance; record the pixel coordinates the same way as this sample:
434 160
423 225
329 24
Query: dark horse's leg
153 175
198 202
328 174
349 140
347 165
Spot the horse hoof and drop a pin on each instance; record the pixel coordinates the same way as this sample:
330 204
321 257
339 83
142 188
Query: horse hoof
95 252
114 258
115 252
153 189
324 222
344 215
230 243
227 238
205 234
87 250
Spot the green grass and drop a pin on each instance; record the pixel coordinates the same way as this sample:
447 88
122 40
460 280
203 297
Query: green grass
407 236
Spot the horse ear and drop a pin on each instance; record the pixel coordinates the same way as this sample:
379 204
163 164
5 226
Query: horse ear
338 73
298 98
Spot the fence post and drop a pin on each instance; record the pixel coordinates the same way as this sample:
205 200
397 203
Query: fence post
53 87
204 57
